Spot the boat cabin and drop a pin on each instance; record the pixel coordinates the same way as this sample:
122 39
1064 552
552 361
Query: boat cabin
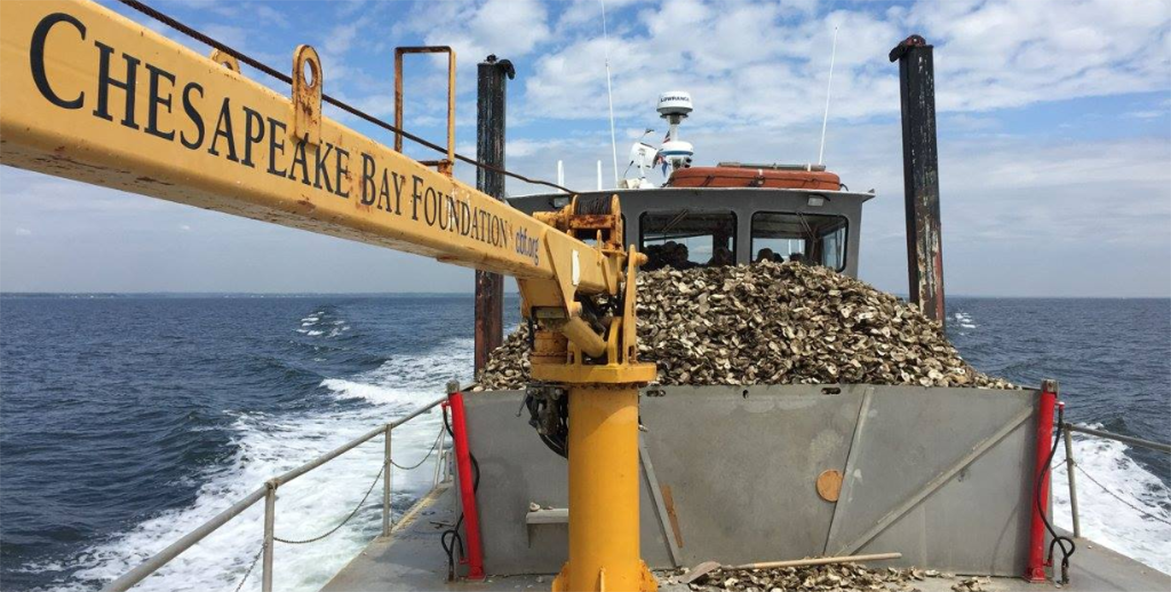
703 218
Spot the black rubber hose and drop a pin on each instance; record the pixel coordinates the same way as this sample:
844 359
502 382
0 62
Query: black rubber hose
1058 539
451 537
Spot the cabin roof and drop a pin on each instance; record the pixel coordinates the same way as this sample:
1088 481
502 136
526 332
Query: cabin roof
714 192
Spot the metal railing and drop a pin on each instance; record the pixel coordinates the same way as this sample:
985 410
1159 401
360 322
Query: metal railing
267 492
1070 463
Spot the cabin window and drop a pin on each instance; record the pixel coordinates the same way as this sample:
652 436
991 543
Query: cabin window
684 238
816 239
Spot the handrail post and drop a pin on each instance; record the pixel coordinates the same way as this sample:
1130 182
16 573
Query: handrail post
386 483
439 456
1069 464
269 520
1044 435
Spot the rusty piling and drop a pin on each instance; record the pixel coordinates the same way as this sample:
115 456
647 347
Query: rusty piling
490 118
921 175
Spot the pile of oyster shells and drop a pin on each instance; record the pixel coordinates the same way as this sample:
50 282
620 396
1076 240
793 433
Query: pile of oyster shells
843 576
772 323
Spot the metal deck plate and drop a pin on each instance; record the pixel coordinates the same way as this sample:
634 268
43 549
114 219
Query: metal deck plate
411 559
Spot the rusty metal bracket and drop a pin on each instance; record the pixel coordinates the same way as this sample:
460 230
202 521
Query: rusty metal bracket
308 81
225 59
445 166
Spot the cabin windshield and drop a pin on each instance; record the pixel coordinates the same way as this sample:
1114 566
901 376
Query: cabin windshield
684 239
816 239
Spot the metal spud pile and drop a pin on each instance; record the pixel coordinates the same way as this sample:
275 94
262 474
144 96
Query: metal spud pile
772 323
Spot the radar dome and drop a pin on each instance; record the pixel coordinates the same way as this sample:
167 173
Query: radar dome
675 102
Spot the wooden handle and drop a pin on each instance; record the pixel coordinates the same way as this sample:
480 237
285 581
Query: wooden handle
821 561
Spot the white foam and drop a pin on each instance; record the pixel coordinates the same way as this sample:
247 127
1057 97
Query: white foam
1107 520
965 320
373 393
269 444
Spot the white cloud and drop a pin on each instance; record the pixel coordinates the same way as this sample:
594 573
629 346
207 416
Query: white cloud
22 232
229 35
588 13
341 37
741 62
350 8
1009 53
508 28
225 9
766 64
269 16
1149 114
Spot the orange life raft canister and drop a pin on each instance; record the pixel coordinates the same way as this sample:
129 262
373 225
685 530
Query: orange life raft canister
754 177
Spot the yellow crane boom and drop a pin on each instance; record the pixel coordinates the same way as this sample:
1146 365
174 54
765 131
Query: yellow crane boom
92 96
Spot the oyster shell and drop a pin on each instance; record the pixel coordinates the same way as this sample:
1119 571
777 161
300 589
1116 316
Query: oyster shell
772 323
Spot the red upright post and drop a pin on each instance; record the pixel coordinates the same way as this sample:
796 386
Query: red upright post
467 491
1036 569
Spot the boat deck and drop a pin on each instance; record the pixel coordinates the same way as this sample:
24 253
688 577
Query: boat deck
412 559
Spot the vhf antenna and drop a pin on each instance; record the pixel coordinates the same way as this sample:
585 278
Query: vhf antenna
609 93
828 85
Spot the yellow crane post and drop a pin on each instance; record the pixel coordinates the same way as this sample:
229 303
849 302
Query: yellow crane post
92 96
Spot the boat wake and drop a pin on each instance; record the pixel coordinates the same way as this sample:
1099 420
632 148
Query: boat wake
268 444
1127 510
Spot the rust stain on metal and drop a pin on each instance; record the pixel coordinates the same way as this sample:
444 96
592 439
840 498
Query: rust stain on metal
308 82
65 162
225 60
669 501
591 221
145 179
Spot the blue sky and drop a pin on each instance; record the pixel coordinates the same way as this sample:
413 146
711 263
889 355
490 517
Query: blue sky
1054 123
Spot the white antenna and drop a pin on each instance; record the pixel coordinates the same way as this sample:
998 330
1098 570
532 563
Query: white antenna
828 85
609 93
599 175
560 174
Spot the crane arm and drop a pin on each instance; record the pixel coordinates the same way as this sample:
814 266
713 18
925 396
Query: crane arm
92 96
